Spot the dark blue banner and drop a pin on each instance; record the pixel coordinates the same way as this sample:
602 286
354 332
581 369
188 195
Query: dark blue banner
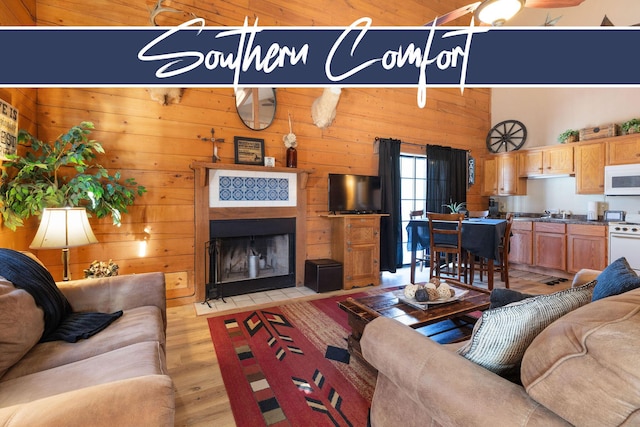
359 55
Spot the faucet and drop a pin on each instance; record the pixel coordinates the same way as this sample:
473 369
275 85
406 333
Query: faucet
547 214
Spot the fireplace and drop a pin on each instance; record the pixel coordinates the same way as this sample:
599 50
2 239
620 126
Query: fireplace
249 255
227 192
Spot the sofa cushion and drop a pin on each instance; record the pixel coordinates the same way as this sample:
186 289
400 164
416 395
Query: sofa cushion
136 360
501 335
617 278
135 325
585 368
501 296
21 324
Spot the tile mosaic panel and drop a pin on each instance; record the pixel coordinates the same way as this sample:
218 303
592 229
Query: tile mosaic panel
251 188
238 188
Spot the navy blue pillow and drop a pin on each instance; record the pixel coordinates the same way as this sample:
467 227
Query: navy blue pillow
616 279
500 297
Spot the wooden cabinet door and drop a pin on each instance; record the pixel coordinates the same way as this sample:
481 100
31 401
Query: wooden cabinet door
361 266
590 159
531 163
550 242
521 243
623 150
355 242
490 177
586 247
558 160
509 182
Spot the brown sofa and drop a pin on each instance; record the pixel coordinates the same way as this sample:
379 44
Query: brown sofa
117 377
580 370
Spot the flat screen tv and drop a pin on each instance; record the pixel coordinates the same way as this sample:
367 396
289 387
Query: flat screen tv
354 193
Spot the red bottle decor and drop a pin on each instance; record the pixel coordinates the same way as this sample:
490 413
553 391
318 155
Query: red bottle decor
292 158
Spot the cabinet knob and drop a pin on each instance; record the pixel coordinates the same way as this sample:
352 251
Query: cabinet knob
348 249
375 261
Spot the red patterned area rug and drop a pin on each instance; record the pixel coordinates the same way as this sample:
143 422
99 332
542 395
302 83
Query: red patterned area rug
288 366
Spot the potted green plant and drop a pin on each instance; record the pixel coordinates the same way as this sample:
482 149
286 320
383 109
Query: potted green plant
455 207
61 173
568 135
631 126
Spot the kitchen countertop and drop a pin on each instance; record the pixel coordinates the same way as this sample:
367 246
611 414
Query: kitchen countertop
571 219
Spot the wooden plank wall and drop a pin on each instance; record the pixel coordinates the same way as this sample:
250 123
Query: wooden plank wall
155 144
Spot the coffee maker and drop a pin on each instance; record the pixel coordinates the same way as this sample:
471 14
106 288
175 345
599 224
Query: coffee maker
494 210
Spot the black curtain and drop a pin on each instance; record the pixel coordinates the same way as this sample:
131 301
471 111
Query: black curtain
390 226
446 177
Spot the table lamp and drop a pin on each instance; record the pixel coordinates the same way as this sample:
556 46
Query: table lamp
63 228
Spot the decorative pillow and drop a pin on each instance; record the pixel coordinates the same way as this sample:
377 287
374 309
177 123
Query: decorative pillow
616 279
21 324
500 297
501 336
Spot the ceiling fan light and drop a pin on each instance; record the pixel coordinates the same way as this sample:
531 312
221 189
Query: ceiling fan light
497 12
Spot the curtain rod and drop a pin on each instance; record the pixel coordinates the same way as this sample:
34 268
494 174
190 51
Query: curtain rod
415 144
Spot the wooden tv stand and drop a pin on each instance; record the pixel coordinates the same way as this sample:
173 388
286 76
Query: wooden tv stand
355 242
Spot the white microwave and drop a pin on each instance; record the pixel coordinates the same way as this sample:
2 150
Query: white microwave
622 180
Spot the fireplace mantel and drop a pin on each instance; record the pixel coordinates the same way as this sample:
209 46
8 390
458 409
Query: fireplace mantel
205 213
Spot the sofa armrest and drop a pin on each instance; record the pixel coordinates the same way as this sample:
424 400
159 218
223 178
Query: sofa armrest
583 276
109 294
141 401
450 388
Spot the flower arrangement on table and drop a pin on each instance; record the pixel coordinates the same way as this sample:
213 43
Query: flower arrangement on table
101 269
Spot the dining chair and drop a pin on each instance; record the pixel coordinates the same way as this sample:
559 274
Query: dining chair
471 258
502 265
445 238
423 257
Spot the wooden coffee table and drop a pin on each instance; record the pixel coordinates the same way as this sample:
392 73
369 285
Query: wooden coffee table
363 310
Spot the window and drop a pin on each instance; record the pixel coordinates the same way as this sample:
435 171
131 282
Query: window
413 176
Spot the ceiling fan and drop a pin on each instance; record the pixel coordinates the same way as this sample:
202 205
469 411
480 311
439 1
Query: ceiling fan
497 12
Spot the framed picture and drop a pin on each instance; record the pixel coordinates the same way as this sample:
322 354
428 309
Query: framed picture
249 151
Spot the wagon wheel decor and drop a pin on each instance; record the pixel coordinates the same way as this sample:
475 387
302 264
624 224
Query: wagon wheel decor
509 135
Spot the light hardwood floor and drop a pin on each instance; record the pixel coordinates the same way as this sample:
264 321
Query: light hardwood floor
201 398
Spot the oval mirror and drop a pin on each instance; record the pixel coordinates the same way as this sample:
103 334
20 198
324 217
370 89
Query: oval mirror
256 106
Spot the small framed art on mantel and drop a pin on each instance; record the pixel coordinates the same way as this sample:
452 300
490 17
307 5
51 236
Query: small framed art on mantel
249 151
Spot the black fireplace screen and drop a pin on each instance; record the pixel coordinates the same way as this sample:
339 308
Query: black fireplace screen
246 256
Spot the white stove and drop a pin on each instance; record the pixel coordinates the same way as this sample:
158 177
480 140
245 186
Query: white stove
624 240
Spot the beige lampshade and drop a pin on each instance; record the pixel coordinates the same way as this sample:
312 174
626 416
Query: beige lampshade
497 12
63 228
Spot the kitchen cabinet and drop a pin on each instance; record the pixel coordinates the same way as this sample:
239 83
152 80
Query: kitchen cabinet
531 163
521 244
501 176
589 160
355 242
550 245
490 177
586 247
555 160
623 150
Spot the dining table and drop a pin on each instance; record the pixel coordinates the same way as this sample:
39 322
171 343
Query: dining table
480 236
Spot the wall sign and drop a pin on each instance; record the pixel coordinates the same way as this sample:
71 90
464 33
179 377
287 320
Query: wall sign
249 151
8 129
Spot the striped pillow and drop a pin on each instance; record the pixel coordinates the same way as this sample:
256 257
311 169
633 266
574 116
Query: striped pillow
501 335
